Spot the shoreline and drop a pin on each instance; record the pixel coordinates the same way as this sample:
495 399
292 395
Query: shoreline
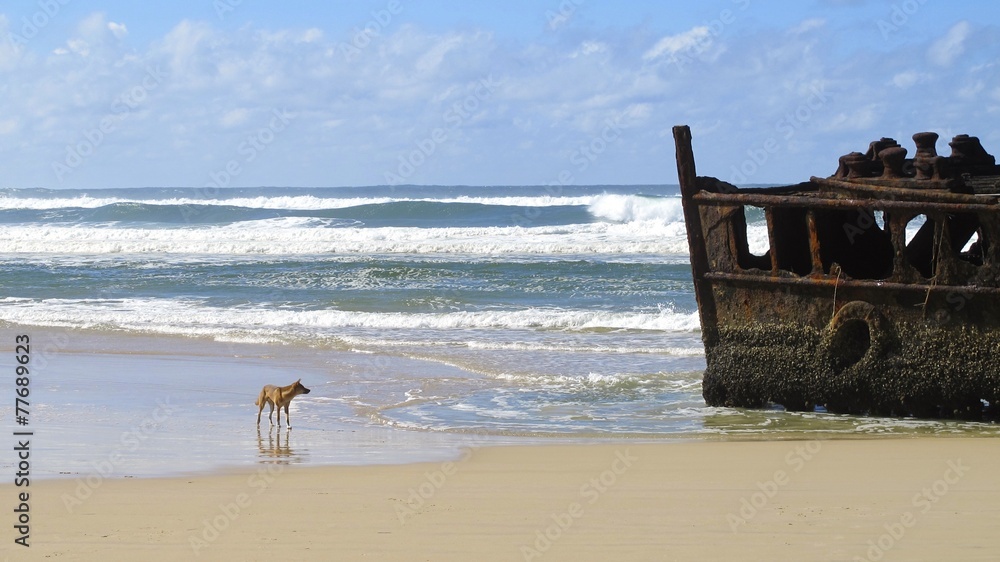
918 499
151 405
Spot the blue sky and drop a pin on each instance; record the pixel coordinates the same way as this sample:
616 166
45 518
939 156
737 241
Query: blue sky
109 93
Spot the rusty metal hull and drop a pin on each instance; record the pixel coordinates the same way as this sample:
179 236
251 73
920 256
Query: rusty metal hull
844 310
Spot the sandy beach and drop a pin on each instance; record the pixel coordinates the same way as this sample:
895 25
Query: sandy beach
144 448
891 499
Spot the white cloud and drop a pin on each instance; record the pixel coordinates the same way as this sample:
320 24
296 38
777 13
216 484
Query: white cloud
234 117
695 39
78 46
431 59
312 35
808 25
637 113
9 126
93 33
906 79
550 96
183 46
945 50
971 90
93 27
856 119
589 48
117 29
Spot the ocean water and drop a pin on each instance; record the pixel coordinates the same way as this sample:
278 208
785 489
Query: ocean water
541 312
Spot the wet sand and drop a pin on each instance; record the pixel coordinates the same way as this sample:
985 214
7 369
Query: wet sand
126 405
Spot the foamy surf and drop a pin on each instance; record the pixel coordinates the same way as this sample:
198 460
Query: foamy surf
292 236
637 208
177 316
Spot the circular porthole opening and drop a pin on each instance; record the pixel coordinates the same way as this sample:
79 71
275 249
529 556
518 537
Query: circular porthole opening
850 343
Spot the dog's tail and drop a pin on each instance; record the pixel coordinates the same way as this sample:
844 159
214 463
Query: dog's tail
259 398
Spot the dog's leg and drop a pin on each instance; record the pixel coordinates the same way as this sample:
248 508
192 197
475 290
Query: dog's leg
271 421
288 423
260 403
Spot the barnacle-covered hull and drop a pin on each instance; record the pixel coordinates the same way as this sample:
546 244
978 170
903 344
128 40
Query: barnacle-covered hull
878 292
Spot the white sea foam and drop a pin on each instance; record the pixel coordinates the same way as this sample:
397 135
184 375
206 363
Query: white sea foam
757 239
683 324
362 343
637 208
192 317
673 381
297 236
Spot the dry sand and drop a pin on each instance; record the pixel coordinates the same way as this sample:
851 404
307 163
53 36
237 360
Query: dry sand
883 499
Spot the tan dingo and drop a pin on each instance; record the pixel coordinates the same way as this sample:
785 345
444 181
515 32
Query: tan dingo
278 396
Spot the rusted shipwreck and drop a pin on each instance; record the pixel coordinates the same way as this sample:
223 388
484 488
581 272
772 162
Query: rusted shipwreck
878 291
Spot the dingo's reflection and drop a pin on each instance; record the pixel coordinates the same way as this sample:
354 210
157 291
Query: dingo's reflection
277 448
